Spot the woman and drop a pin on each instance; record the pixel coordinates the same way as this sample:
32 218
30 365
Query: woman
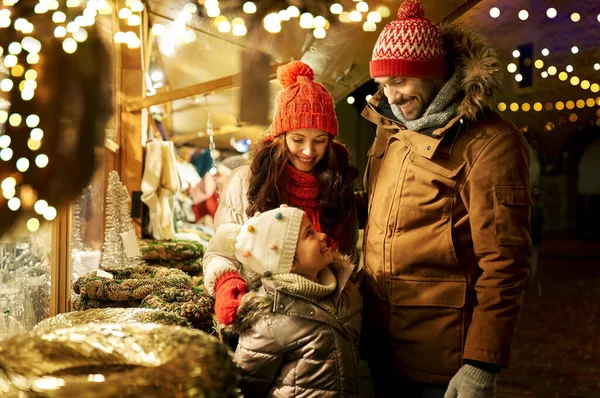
299 164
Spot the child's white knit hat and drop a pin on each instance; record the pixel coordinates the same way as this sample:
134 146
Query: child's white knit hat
267 241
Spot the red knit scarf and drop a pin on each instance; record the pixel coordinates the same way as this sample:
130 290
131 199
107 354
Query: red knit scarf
304 193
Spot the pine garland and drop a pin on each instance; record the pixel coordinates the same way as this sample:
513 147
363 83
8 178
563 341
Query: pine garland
130 283
194 304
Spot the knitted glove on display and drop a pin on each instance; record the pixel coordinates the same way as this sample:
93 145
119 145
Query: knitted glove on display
472 382
229 289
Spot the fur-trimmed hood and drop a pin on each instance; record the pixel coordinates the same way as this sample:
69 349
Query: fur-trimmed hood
257 305
477 64
479 67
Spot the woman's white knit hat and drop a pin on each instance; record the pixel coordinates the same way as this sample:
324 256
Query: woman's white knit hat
267 241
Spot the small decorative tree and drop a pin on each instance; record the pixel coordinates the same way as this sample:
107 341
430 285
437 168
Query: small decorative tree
118 224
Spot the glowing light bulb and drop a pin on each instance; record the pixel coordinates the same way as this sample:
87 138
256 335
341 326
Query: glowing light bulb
350 100
249 7
22 164
319 22
319 33
293 11
369 26
355 16
14 204
336 9
224 27
494 12
69 45
158 29
59 17
49 213
41 161
240 30
523 15
33 224
551 12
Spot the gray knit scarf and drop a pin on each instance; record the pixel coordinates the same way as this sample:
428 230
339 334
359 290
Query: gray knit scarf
320 291
441 110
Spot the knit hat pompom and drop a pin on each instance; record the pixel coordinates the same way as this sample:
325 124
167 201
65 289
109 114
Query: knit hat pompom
288 74
303 103
411 9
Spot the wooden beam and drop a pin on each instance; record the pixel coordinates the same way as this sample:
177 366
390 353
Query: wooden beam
136 104
446 11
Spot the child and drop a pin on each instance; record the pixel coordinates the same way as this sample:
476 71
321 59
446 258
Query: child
298 333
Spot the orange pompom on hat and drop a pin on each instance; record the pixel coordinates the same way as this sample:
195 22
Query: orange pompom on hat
303 103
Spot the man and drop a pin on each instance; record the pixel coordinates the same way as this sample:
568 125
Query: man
447 241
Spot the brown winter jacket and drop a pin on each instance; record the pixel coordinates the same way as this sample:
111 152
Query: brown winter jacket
447 240
290 346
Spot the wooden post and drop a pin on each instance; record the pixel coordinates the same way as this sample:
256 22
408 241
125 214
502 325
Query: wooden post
60 263
131 152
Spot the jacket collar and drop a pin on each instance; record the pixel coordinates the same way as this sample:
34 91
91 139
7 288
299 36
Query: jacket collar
271 298
424 143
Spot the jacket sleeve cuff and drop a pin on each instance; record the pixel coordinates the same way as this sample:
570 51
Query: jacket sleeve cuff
214 267
488 367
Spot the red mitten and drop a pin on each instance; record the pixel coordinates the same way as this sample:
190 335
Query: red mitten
229 289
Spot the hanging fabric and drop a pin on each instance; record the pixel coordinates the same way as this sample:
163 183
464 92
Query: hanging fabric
159 184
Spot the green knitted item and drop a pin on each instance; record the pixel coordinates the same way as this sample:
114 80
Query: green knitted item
130 283
163 250
194 304
191 267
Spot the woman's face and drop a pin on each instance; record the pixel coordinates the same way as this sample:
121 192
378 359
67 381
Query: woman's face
306 147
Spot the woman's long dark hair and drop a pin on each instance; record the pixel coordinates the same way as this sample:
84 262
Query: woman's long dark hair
335 180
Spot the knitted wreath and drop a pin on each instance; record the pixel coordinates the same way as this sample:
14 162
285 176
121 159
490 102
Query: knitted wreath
130 283
117 360
193 304
84 303
110 315
155 250
191 267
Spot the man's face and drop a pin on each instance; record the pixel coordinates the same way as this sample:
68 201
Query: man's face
410 95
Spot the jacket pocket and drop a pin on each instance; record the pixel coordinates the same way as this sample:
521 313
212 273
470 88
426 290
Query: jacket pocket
511 215
427 325
428 185
420 292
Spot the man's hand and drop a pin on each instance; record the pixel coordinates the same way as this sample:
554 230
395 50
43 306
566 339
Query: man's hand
472 382
229 289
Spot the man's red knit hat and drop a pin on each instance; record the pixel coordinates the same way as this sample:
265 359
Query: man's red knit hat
411 46
303 103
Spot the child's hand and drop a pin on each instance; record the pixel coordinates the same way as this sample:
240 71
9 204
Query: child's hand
229 289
